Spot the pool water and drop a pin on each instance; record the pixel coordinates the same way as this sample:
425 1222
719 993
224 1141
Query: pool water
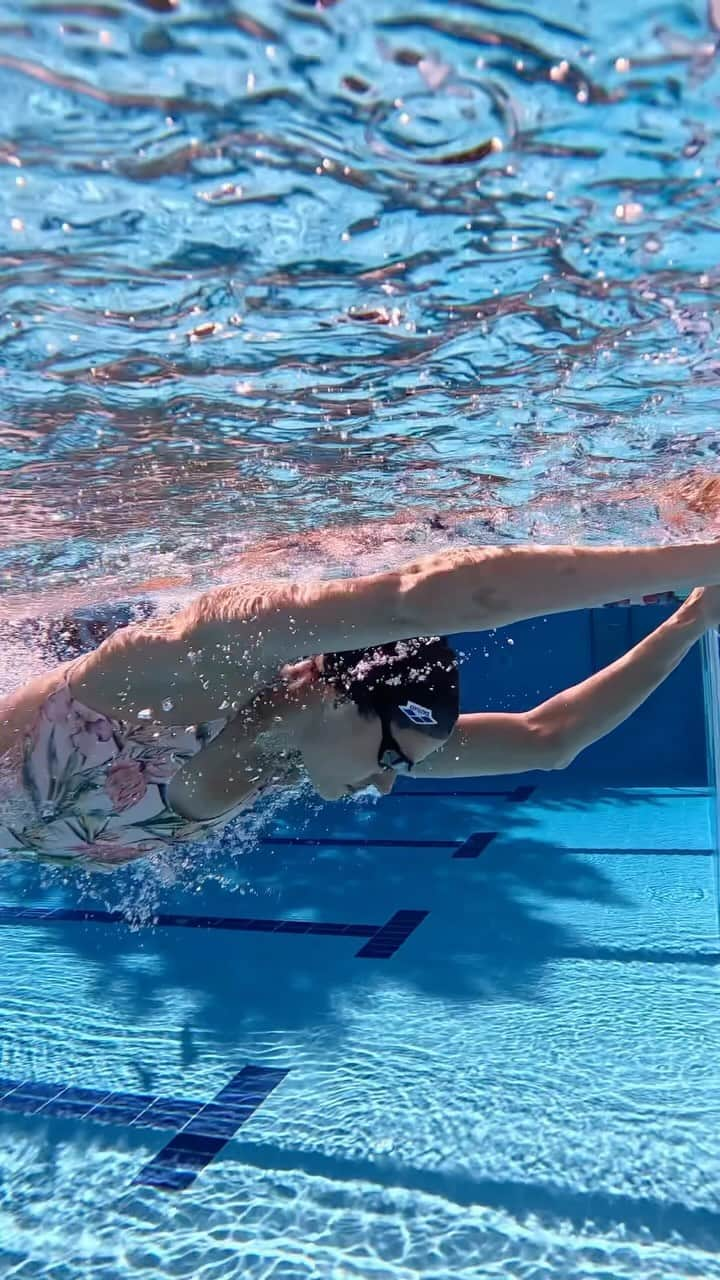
464 1031
528 1085
277 267
312 288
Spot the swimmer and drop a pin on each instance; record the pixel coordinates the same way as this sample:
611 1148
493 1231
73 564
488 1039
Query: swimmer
171 727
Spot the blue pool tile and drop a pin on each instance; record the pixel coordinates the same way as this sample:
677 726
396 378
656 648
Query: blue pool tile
66 1108
30 1097
124 1109
131 1099
74 1102
205 1127
187 1151
329 930
392 935
168 1113
475 844
164 1177
103 1114
248 924
219 1122
185 1156
207 1132
38 1089
521 793
78 1093
10 915
252 1082
476 793
357 842
139 1110
7 1086
33 1096
21 1103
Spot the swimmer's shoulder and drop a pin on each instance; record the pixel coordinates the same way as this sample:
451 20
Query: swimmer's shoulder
19 708
156 667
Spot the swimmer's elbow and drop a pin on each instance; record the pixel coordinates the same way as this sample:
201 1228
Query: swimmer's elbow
552 746
559 753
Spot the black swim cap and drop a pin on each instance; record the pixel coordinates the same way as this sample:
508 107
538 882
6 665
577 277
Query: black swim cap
410 683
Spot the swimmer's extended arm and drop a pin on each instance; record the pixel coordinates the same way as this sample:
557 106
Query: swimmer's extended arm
234 637
470 589
475 589
555 732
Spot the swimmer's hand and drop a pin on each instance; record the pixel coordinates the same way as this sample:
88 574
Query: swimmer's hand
707 602
299 676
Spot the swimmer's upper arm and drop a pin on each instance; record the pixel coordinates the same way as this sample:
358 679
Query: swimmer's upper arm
231 640
283 621
489 743
441 593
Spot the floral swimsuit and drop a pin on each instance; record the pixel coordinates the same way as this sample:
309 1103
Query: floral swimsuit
97 787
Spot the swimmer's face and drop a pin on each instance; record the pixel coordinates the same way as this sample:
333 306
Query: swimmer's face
340 753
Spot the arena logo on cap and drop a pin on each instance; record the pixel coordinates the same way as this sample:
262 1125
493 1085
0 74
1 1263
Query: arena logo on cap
418 714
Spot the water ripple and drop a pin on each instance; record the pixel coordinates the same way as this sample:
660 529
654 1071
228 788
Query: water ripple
267 270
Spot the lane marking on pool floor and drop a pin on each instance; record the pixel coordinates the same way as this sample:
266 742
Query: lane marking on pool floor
202 1129
517 795
471 847
383 939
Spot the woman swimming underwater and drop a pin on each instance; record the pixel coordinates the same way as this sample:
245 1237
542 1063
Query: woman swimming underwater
173 726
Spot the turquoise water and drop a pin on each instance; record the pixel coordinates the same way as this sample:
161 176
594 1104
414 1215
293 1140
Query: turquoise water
295 264
417 271
527 1088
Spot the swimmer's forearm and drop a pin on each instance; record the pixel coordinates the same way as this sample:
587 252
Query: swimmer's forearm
478 588
581 715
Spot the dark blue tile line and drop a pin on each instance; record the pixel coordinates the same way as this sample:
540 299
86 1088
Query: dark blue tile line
521 793
469 848
165 1113
138 1110
354 842
205 1127
179 1162
516 796
475 844
392 935
28 915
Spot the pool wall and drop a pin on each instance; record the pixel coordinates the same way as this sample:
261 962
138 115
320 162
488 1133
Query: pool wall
711 683
662 744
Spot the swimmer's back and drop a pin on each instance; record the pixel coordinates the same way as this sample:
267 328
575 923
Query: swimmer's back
19 708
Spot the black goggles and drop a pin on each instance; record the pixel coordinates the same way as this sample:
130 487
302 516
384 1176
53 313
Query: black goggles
390 755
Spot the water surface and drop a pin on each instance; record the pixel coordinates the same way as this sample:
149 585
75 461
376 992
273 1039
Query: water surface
271 268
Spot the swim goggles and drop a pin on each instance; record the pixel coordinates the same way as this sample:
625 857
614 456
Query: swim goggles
390 755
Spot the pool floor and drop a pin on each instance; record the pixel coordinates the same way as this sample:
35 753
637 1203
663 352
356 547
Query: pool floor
473 1035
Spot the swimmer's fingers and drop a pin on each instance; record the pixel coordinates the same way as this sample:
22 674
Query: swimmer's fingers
298 675
708 602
